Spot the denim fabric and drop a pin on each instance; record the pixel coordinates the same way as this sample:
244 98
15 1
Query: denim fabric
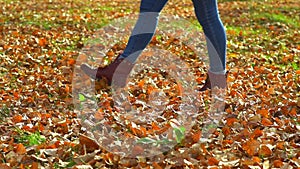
207 14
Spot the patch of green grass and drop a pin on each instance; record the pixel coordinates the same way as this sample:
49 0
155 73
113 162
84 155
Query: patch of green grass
47 25
106 8
4 112
295 66
29 139
231 0
97 25
272 17
246 31
179 134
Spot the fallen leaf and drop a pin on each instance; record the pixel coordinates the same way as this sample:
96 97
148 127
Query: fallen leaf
251 147
91 144
20 149
17 118
266 122
212 161
278 163
263 113
137 150
265 151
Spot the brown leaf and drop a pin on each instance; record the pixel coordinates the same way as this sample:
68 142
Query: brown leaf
263 113
137 150
251 147
293 112
71 62
278 163
266 122
226 130
4 166
20 149
256 159
280 145
34 165
212 161
17 118
196 136
156 166
230 121
265 151
256 133
90 143
42 41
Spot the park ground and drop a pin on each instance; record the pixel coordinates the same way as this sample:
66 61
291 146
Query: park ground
40 41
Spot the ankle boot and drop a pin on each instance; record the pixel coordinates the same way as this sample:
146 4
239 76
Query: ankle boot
118 71
215 80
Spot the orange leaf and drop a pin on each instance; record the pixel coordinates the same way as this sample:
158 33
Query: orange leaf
230 121
67 89
271 90
293 112
42 42
156 166
265 151
212 161
99 115
278 163
144 131
26 128
155 126
46 115
110 53
226 130
263 112
226 142
41 127
180 89
298 72
17 118
266 122
196 136
280 145
256 133
20 149
16 95
71 61
141 83
256 159
203 148
251 147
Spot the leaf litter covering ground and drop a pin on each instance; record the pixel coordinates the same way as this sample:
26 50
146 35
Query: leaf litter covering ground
40 41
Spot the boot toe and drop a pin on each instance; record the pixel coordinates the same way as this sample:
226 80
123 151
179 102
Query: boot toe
89 71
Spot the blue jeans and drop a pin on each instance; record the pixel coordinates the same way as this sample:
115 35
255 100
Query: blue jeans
207 14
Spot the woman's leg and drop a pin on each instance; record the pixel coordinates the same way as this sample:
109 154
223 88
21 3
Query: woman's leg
144 28
208 16
139 39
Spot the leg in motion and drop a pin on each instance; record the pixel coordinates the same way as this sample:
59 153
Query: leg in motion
140 37
207 14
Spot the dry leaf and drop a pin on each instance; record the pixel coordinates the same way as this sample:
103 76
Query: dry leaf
91 144
20 149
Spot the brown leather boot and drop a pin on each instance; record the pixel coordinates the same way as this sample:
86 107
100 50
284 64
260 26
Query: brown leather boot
215 80
116 73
